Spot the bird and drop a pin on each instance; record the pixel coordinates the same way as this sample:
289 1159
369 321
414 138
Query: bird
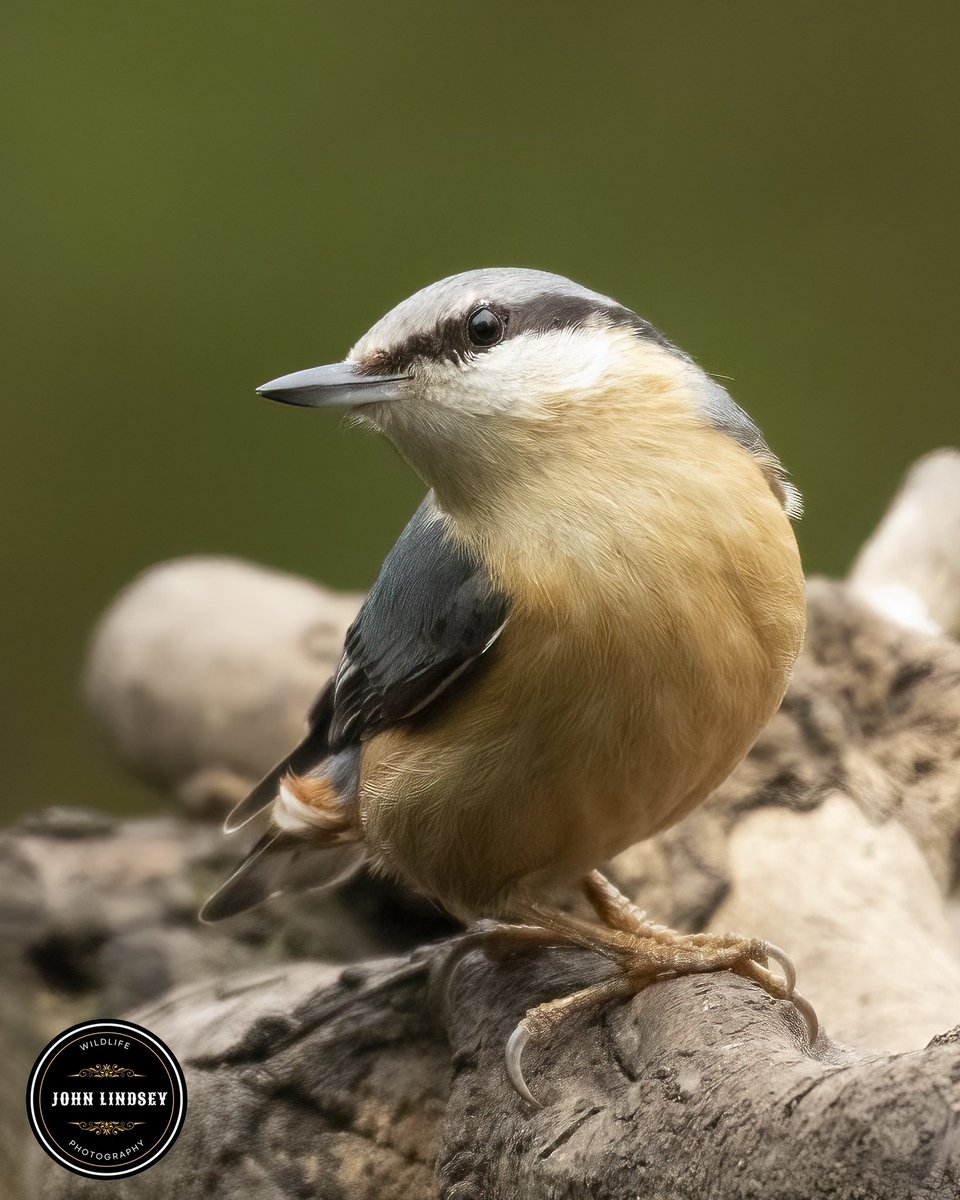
578 636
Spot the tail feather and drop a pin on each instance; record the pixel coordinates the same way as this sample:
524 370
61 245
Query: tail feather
310 751
314 747
281 863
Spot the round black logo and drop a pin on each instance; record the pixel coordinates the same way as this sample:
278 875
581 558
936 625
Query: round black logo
106 1099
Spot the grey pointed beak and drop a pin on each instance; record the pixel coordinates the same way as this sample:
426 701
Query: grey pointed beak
338 385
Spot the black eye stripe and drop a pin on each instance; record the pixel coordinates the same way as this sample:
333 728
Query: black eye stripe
553 311
447 342
450 341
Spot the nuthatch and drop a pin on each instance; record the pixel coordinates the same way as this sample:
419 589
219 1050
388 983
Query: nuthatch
578 636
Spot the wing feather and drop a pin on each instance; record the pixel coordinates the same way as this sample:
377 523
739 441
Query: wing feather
431 615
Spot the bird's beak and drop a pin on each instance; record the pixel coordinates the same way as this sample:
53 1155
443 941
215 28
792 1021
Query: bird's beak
338 385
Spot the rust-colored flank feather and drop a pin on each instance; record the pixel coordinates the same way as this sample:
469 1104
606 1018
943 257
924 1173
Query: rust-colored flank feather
326 811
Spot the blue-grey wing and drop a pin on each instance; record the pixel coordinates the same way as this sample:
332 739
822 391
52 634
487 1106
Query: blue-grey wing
428 620
429 617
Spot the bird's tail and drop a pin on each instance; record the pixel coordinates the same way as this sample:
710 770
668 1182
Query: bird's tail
279 863
310 752
314 840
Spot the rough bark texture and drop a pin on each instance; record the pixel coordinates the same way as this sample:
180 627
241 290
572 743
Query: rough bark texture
360 1083
838 838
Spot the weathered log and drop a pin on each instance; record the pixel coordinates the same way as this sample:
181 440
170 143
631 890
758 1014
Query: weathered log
838 838
362 1084
99 915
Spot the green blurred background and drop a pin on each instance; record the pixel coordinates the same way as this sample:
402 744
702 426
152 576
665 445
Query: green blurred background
201 195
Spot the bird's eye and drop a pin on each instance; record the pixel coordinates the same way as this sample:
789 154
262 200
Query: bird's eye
484 327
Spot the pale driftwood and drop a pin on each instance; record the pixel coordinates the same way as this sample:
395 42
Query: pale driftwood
908 568
201 670
839 835
838 838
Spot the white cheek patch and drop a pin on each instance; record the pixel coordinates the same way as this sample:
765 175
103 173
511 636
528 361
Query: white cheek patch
569 360
524 373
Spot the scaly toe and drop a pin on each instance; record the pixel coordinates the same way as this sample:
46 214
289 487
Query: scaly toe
543 1020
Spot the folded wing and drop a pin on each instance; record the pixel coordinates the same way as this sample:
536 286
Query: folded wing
431 616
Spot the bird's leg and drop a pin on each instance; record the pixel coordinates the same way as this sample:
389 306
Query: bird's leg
643 951
614 909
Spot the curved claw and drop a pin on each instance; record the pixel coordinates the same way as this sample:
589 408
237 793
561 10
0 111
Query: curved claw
513 1056
809 1014
786 965
800 1003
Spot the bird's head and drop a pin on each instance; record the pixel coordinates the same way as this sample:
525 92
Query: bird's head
481 367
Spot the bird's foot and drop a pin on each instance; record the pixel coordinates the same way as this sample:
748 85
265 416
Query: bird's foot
616 911
643 953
